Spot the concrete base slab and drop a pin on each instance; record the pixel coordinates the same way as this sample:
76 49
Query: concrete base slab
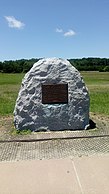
38 177
93 174
84 175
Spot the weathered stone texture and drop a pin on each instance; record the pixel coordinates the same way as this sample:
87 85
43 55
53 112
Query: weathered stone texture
30 113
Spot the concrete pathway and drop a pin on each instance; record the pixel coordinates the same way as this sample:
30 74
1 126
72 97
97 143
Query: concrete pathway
77 175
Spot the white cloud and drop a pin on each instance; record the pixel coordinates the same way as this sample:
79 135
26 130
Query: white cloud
59 30
69 33
13 23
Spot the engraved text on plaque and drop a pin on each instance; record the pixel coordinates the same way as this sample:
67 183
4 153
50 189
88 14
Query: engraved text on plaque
54 93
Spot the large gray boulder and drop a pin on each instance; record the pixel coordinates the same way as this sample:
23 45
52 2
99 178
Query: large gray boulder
32 113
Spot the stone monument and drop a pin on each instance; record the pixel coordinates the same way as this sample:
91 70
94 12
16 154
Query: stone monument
53 96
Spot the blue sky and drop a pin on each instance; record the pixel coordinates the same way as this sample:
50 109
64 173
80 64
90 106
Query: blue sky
54 28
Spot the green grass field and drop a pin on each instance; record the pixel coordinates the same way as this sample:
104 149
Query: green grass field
9 87
97 83
98 86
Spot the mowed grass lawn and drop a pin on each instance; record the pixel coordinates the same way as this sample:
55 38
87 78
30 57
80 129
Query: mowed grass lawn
97 83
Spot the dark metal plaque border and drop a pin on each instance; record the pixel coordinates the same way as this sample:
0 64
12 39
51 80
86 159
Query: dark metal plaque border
55 93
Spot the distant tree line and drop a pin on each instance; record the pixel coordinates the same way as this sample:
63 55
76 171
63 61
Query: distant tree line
17 66
91 64
84 64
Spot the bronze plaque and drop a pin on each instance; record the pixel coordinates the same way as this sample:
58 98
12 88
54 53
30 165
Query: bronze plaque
54 93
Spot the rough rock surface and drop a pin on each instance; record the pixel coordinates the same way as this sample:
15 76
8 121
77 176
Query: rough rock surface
30 113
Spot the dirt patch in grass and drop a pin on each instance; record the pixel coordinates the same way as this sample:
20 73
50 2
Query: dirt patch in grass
8 132
6 126
102 121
